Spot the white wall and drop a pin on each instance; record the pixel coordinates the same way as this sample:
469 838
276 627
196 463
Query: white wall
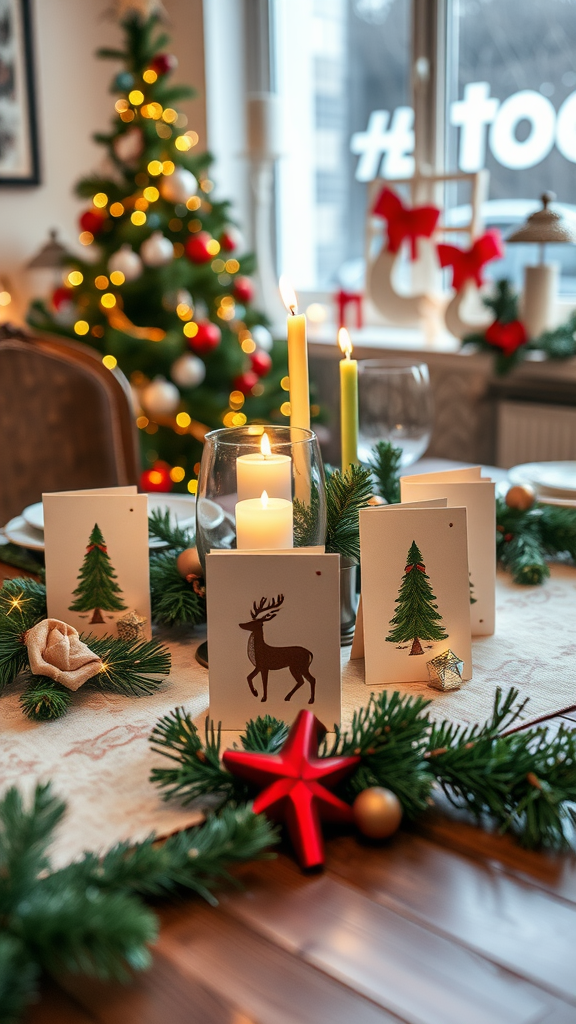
73 102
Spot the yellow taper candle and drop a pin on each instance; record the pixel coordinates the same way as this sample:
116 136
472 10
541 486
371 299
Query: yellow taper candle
348 401
297 359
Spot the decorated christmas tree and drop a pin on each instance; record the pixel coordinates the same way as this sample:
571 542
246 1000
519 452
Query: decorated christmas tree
97 590
416 617
163 291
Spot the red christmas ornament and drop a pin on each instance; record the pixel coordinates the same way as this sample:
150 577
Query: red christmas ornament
467 263
244 382
404 222
163 63
61 296
207 337
157 478
228 241
297 785
261 362
507 337
243 289
197 247
93 221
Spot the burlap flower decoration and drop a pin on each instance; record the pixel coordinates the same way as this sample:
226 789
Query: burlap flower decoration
56 650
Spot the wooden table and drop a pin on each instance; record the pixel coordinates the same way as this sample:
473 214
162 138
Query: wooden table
443 924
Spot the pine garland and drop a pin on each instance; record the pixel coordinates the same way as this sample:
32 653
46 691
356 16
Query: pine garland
131 667
525 782
89 918
346 494
385 467
174 601
525 539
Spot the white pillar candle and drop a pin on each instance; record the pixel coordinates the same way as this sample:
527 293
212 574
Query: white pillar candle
264 471
264 524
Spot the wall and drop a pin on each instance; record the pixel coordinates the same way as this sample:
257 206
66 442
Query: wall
73 102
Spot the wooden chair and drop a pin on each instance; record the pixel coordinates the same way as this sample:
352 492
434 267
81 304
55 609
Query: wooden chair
66 422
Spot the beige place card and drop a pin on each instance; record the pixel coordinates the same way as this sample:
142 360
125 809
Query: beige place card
273 635
97 564
467 488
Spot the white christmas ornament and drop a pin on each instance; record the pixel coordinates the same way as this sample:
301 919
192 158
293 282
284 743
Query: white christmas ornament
129 146
160 397
179 186
261 335
127 262
188 371
157 250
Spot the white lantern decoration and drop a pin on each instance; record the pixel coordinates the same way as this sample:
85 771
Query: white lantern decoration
188 371
179 186
127 262
157 250
261 335
160 397
129 146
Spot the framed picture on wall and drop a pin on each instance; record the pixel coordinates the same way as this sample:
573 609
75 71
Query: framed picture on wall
18 133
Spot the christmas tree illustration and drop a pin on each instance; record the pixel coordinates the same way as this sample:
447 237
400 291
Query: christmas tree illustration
97 590
416 617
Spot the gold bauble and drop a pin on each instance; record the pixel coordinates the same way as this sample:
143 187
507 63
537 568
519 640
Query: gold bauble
377 812
521 497
188 563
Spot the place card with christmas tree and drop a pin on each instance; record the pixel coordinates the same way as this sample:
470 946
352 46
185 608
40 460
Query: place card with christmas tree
468 488
273 635
415 590
97 567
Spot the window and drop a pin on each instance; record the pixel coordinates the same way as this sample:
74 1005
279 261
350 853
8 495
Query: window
343 75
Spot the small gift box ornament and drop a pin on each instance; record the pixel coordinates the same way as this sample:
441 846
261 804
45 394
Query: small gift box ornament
131 626
445 671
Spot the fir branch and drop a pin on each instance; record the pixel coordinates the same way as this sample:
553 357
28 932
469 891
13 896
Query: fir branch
198 770
161 527
305 520
20 558
385 466
390 734
44 700
264 734
23 599
174 601
346 494
19 977
558 529
25 834
130 666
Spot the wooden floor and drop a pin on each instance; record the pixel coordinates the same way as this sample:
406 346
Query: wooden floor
443 924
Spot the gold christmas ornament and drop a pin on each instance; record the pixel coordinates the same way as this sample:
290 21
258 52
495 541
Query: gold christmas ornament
131 626
521 497
188 564
377 812
445 671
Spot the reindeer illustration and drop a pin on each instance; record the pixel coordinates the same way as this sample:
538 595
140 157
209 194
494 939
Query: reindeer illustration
266 658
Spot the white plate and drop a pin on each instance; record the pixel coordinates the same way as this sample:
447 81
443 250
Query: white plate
19 532
553 478
182 509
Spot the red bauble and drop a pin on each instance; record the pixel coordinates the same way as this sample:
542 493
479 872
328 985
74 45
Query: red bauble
261 362
243 289
60 297
163 63
93 221
298 784
244 382
196 247
507 337
228 241
206 338
157 478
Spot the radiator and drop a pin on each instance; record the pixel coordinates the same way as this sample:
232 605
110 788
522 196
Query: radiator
528 432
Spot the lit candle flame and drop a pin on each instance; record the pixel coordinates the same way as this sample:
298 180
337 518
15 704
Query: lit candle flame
265 445
344 342
288 295
264 499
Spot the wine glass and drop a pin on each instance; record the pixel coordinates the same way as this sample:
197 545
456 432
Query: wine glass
396 405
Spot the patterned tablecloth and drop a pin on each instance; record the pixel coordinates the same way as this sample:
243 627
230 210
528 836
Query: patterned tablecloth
99 759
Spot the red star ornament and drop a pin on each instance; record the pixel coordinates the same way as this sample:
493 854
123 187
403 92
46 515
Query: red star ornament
297 785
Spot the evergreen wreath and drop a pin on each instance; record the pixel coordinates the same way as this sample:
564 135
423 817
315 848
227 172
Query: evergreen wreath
90 918
130 667
524 782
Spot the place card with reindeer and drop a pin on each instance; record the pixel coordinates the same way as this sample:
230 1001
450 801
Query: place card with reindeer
273 635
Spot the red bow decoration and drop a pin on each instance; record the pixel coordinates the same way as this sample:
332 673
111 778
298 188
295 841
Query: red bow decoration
404 222
467 263
344 299
507 337
101 547
419 566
